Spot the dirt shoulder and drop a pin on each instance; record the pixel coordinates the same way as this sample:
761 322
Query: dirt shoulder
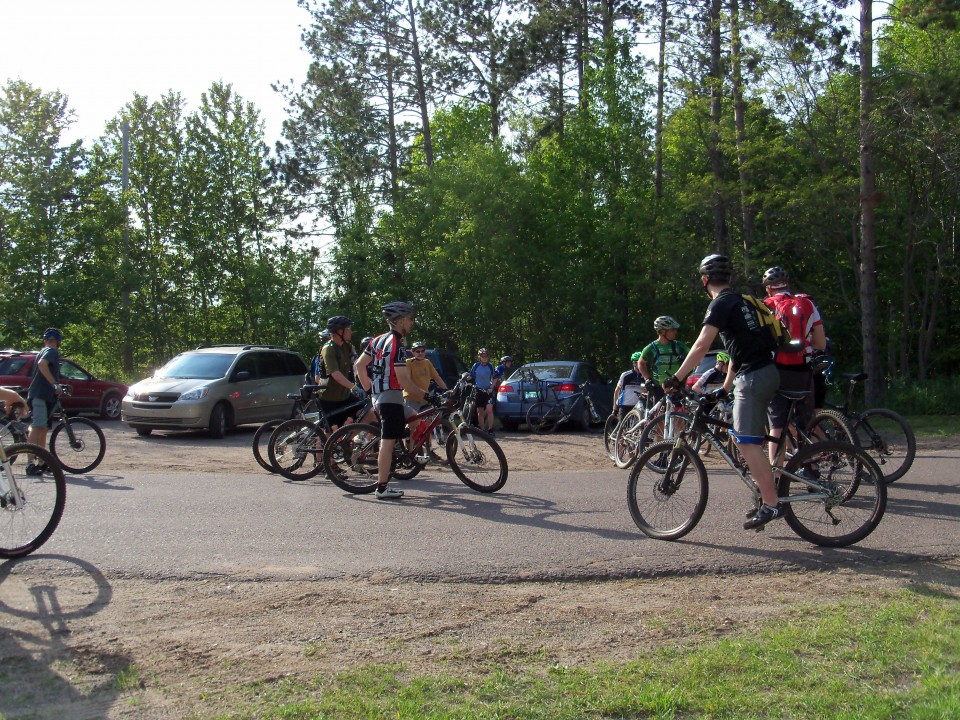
78 644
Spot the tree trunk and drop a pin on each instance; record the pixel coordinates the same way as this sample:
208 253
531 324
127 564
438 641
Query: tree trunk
746 201
868 250
661 72
421 87
715 78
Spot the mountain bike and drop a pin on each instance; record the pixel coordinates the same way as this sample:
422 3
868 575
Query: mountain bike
30 505
351 453
78 443
883 433
628 436
304 401
545 416
295 448
833 492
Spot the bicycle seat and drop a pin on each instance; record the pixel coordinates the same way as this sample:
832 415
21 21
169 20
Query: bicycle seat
854 377
293 396
793 394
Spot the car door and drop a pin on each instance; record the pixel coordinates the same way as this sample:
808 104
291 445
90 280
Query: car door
279 381
246 389
83 392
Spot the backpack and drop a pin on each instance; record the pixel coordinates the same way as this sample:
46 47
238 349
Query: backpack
795 312
775 334
319 375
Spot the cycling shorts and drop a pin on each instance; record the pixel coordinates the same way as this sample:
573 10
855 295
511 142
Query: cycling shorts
40 410
483 398
752 393
393 421
793 380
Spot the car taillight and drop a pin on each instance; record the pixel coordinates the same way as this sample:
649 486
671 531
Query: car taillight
505 389
567 387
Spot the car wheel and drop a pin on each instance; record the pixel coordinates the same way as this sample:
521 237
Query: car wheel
218 421
509 425
583 417
143 432
110 407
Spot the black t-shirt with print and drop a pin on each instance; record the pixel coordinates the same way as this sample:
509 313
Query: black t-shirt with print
740 331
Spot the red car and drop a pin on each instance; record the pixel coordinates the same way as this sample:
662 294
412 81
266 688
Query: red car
87 393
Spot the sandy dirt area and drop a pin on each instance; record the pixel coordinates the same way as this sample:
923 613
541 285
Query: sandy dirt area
77 644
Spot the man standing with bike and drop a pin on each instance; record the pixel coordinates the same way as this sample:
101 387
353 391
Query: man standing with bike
663 356
336 371
630 388
387 379
42 394
751 364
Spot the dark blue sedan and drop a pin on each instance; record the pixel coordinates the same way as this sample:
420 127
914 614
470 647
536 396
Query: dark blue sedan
528 384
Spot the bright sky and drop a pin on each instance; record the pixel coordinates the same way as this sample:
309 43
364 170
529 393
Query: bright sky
99 52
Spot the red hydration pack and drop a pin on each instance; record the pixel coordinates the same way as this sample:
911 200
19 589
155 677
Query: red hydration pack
798 313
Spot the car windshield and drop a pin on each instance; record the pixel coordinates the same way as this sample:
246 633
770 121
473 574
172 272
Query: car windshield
196 366
12 365
543 372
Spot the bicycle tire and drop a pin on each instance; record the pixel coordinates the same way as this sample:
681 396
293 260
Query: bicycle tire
543 417
292 444
857 494
23 530
655 432
609 427
667 505
888 438
87 449
262 455
625 440
478 461
404 466
350 458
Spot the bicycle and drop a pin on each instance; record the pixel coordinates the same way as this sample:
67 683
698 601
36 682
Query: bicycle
295 442
30 505
77 439
545 416
833 492
628 436
883 433
305 402
351 453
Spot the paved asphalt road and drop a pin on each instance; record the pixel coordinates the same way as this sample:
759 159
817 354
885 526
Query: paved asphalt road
540 526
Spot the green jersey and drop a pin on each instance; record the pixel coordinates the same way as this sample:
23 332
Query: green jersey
664 359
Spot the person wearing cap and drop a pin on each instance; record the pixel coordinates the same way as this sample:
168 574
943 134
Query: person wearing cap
337 355
482 374
42 394
422 372
630 388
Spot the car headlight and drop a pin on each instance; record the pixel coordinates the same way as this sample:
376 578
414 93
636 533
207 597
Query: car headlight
131 393
195 394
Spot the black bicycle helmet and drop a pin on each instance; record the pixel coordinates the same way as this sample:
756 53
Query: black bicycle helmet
339 322
775 276
506 358
52 334
716 265
396 310
665 322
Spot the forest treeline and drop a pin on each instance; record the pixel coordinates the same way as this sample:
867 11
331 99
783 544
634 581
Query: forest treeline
540 177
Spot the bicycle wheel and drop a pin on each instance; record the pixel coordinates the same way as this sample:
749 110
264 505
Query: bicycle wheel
667 504
543 417
661 428
85 451
350 458
25 528
609 427
405 466
625 440
294 449
846 500
889 439
261 444
478 461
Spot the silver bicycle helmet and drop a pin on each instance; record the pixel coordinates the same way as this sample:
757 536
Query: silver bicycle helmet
665 322
775 276
506 358
396 310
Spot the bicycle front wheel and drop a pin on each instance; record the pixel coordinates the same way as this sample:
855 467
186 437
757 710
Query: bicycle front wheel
82 452
625 440
889 439
350 458
609 427
295 448
261 444
476 459
840 496
667 504
543 417
32 505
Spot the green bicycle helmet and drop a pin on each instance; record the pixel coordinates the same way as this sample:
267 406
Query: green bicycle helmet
635 356
723 357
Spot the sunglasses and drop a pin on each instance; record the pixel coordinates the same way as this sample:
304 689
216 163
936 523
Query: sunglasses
419 349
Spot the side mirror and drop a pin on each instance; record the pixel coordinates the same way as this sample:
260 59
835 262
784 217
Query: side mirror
241 376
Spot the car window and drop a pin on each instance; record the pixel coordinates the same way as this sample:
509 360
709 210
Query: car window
295 364
197 366
246 363
69 371
271 365
545 372
13 365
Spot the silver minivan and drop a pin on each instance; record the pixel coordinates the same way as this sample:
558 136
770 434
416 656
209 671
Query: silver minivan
216 387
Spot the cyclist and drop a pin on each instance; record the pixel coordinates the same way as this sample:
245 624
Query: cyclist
802 319
388 377
630 388
503 371
42 394
482 374
315 362
756 378
422 372
661 358
337 354
716 374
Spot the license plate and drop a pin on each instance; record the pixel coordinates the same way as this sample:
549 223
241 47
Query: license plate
531 394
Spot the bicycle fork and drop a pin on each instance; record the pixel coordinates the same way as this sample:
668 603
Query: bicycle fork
11 497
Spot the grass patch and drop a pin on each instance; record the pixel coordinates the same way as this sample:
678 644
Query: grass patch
935 425
871 656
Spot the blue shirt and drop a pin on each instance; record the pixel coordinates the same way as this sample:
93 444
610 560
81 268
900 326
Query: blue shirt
482 375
